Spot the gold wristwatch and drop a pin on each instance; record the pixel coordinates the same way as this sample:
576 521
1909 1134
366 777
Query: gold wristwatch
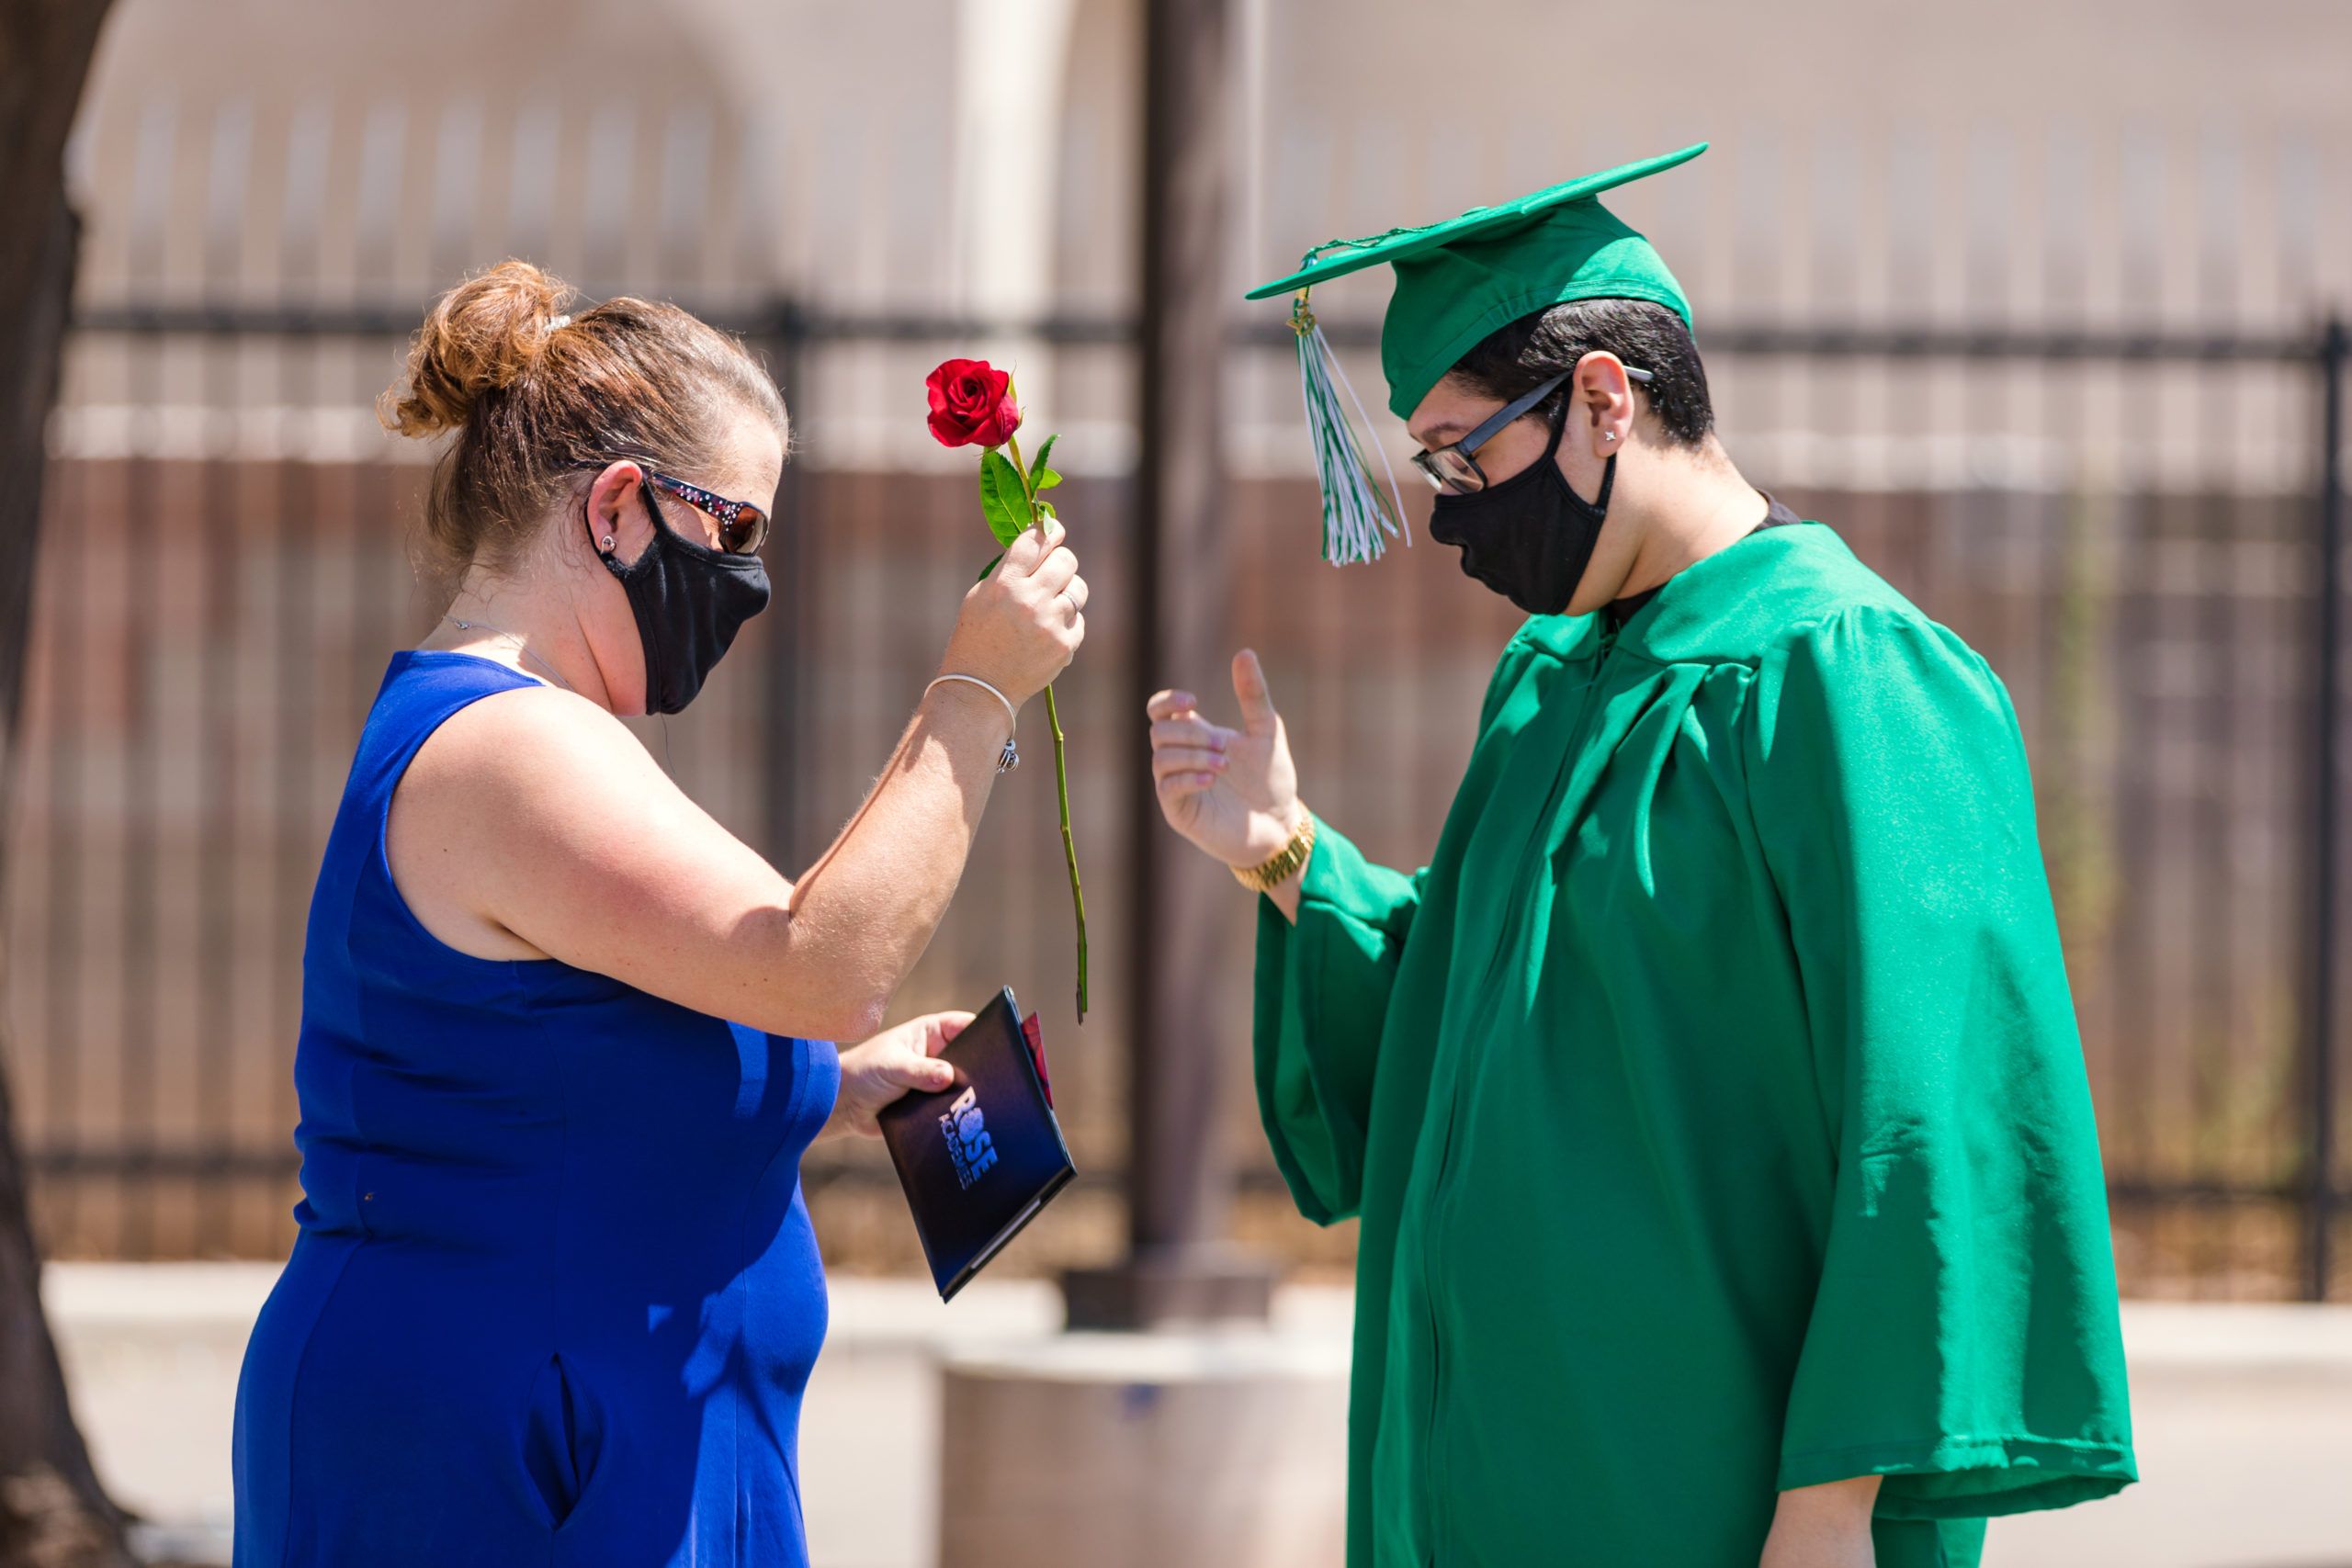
1265 878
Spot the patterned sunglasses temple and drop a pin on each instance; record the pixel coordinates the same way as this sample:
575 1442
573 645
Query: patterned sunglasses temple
743 527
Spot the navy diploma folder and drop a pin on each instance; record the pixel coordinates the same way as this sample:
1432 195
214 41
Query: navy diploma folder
979 1160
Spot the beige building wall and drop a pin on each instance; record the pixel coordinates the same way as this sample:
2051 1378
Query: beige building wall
1869 156
1989 149
2007 163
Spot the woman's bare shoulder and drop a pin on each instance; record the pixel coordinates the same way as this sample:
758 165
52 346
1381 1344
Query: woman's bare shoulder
528 737
515 768
535 823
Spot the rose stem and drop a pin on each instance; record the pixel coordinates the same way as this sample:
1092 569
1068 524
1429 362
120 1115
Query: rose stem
1070 846
1054 720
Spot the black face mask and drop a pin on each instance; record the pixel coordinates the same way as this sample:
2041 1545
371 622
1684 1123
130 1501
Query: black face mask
1530 537
689 601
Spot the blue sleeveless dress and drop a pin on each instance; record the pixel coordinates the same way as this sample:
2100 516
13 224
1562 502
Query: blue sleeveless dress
554 1297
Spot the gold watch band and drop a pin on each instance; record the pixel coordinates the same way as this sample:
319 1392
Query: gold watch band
1265 878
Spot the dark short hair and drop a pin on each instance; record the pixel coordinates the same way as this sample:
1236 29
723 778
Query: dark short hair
1516 358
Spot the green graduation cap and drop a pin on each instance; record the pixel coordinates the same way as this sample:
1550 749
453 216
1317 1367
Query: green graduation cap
1457 282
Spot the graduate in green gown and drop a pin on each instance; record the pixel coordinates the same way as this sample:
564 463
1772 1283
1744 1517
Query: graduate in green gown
1711 1102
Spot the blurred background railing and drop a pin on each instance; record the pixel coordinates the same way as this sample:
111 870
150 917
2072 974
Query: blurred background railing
2064 382
225 574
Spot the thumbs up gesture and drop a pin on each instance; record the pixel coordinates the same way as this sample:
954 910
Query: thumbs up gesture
1232 792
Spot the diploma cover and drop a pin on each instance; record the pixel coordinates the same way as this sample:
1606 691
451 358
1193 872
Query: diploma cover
979 1159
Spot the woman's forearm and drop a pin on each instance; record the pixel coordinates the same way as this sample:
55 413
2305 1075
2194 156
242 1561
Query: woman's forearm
866 911
857 921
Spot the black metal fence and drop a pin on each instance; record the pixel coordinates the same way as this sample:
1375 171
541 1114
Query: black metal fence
2136 529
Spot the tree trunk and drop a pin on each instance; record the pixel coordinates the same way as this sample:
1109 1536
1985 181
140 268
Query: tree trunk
53 1513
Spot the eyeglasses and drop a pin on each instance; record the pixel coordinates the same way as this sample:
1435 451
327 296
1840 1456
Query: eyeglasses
1451 467
742 528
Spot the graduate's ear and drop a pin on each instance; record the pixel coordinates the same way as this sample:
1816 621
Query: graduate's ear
1601 407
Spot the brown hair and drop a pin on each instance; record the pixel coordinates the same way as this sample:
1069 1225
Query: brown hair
535 395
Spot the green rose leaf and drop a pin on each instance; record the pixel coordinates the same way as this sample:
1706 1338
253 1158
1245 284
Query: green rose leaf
990 568
1002 501
1040 475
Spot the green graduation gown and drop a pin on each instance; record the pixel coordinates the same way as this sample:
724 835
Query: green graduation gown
1712 1103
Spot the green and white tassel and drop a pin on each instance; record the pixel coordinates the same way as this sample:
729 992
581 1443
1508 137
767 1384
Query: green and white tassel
1356 514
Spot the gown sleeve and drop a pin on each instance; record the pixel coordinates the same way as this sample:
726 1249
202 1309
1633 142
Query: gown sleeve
1322 996
1963 1342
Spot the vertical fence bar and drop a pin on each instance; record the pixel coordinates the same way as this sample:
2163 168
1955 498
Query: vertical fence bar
134 712
784 754
2334 349
214 761
1179 1181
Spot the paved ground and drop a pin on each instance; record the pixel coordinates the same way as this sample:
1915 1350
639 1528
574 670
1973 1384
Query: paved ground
2243 1416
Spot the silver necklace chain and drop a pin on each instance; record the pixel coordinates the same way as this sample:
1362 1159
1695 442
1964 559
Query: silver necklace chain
516 643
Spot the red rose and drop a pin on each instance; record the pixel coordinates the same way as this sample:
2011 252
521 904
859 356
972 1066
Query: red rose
971 404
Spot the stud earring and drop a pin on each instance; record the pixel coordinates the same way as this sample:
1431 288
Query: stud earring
608 538
1609 435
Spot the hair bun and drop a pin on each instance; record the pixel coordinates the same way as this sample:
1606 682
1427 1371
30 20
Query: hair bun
481 336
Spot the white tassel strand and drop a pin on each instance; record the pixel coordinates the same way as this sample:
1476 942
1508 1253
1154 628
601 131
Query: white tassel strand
1356 514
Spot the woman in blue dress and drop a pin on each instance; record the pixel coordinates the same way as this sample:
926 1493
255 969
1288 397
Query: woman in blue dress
555 1297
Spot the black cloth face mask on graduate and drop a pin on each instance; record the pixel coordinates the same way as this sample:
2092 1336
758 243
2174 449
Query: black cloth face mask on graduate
689 600
1530 537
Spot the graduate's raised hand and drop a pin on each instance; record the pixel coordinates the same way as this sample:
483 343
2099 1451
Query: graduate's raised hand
1232 792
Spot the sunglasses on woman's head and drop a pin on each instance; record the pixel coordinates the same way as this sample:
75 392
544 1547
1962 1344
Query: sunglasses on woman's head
1451 467
742 528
